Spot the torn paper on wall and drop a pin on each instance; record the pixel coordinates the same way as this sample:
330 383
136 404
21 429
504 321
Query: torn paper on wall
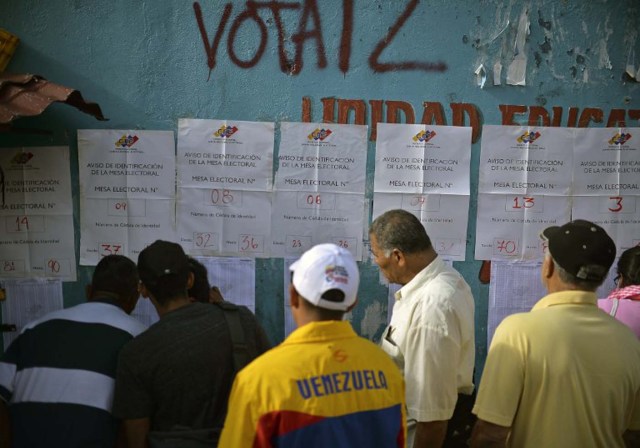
516 73
481 76
631 63
497 73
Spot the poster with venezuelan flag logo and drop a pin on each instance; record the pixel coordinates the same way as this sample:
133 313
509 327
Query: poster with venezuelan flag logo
36 214
416 158
524 187
607 162
320 186
526 160
127 191
424 169
607 182
224 187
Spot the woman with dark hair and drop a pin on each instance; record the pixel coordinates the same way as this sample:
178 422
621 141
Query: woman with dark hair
624 302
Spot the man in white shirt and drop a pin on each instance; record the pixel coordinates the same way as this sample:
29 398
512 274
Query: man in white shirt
431 334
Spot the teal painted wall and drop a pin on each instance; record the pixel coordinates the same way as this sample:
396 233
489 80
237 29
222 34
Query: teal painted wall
145 63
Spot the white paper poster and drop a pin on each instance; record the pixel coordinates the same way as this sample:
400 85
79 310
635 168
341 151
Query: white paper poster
234 277
549 176
303 219
127 191
424 170
28 300
526 160
524 187
319 184
416 158
443 216
618 215
319 157
224 187
509 225
607 162
36 214
225 154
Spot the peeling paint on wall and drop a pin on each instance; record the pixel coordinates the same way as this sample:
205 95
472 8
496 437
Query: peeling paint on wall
374 319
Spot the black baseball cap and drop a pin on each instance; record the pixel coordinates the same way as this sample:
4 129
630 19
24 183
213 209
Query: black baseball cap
581 248
162 258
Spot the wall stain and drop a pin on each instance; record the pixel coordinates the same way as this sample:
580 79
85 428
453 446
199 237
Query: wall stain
546 46
542 22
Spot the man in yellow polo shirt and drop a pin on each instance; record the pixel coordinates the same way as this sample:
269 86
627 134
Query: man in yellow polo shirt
323 386
565 374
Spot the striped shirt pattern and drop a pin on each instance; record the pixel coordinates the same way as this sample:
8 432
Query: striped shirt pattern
58 376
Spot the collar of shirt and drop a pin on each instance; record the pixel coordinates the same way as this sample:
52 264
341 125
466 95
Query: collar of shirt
321 331
567 298
425 276
104 298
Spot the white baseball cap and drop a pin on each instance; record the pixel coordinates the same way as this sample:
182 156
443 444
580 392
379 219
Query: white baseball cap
322 268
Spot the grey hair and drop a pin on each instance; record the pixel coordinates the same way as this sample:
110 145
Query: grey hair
566 277
399 229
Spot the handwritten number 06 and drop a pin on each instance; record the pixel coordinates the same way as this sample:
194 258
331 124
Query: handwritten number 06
314 199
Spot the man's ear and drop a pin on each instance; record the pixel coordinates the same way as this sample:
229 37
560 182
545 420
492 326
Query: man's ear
294 297
398 256
548 267
190 280
144 292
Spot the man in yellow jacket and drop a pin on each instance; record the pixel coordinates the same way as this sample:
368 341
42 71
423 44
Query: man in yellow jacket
324 385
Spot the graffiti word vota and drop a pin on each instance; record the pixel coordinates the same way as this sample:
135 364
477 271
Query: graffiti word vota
309 31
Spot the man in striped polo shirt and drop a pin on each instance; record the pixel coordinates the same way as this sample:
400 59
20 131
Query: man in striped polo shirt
57 378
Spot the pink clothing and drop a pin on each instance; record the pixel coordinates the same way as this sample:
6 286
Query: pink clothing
624 305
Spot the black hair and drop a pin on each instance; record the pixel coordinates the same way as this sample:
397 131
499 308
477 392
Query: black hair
629 266
115 274
323 313
200 289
